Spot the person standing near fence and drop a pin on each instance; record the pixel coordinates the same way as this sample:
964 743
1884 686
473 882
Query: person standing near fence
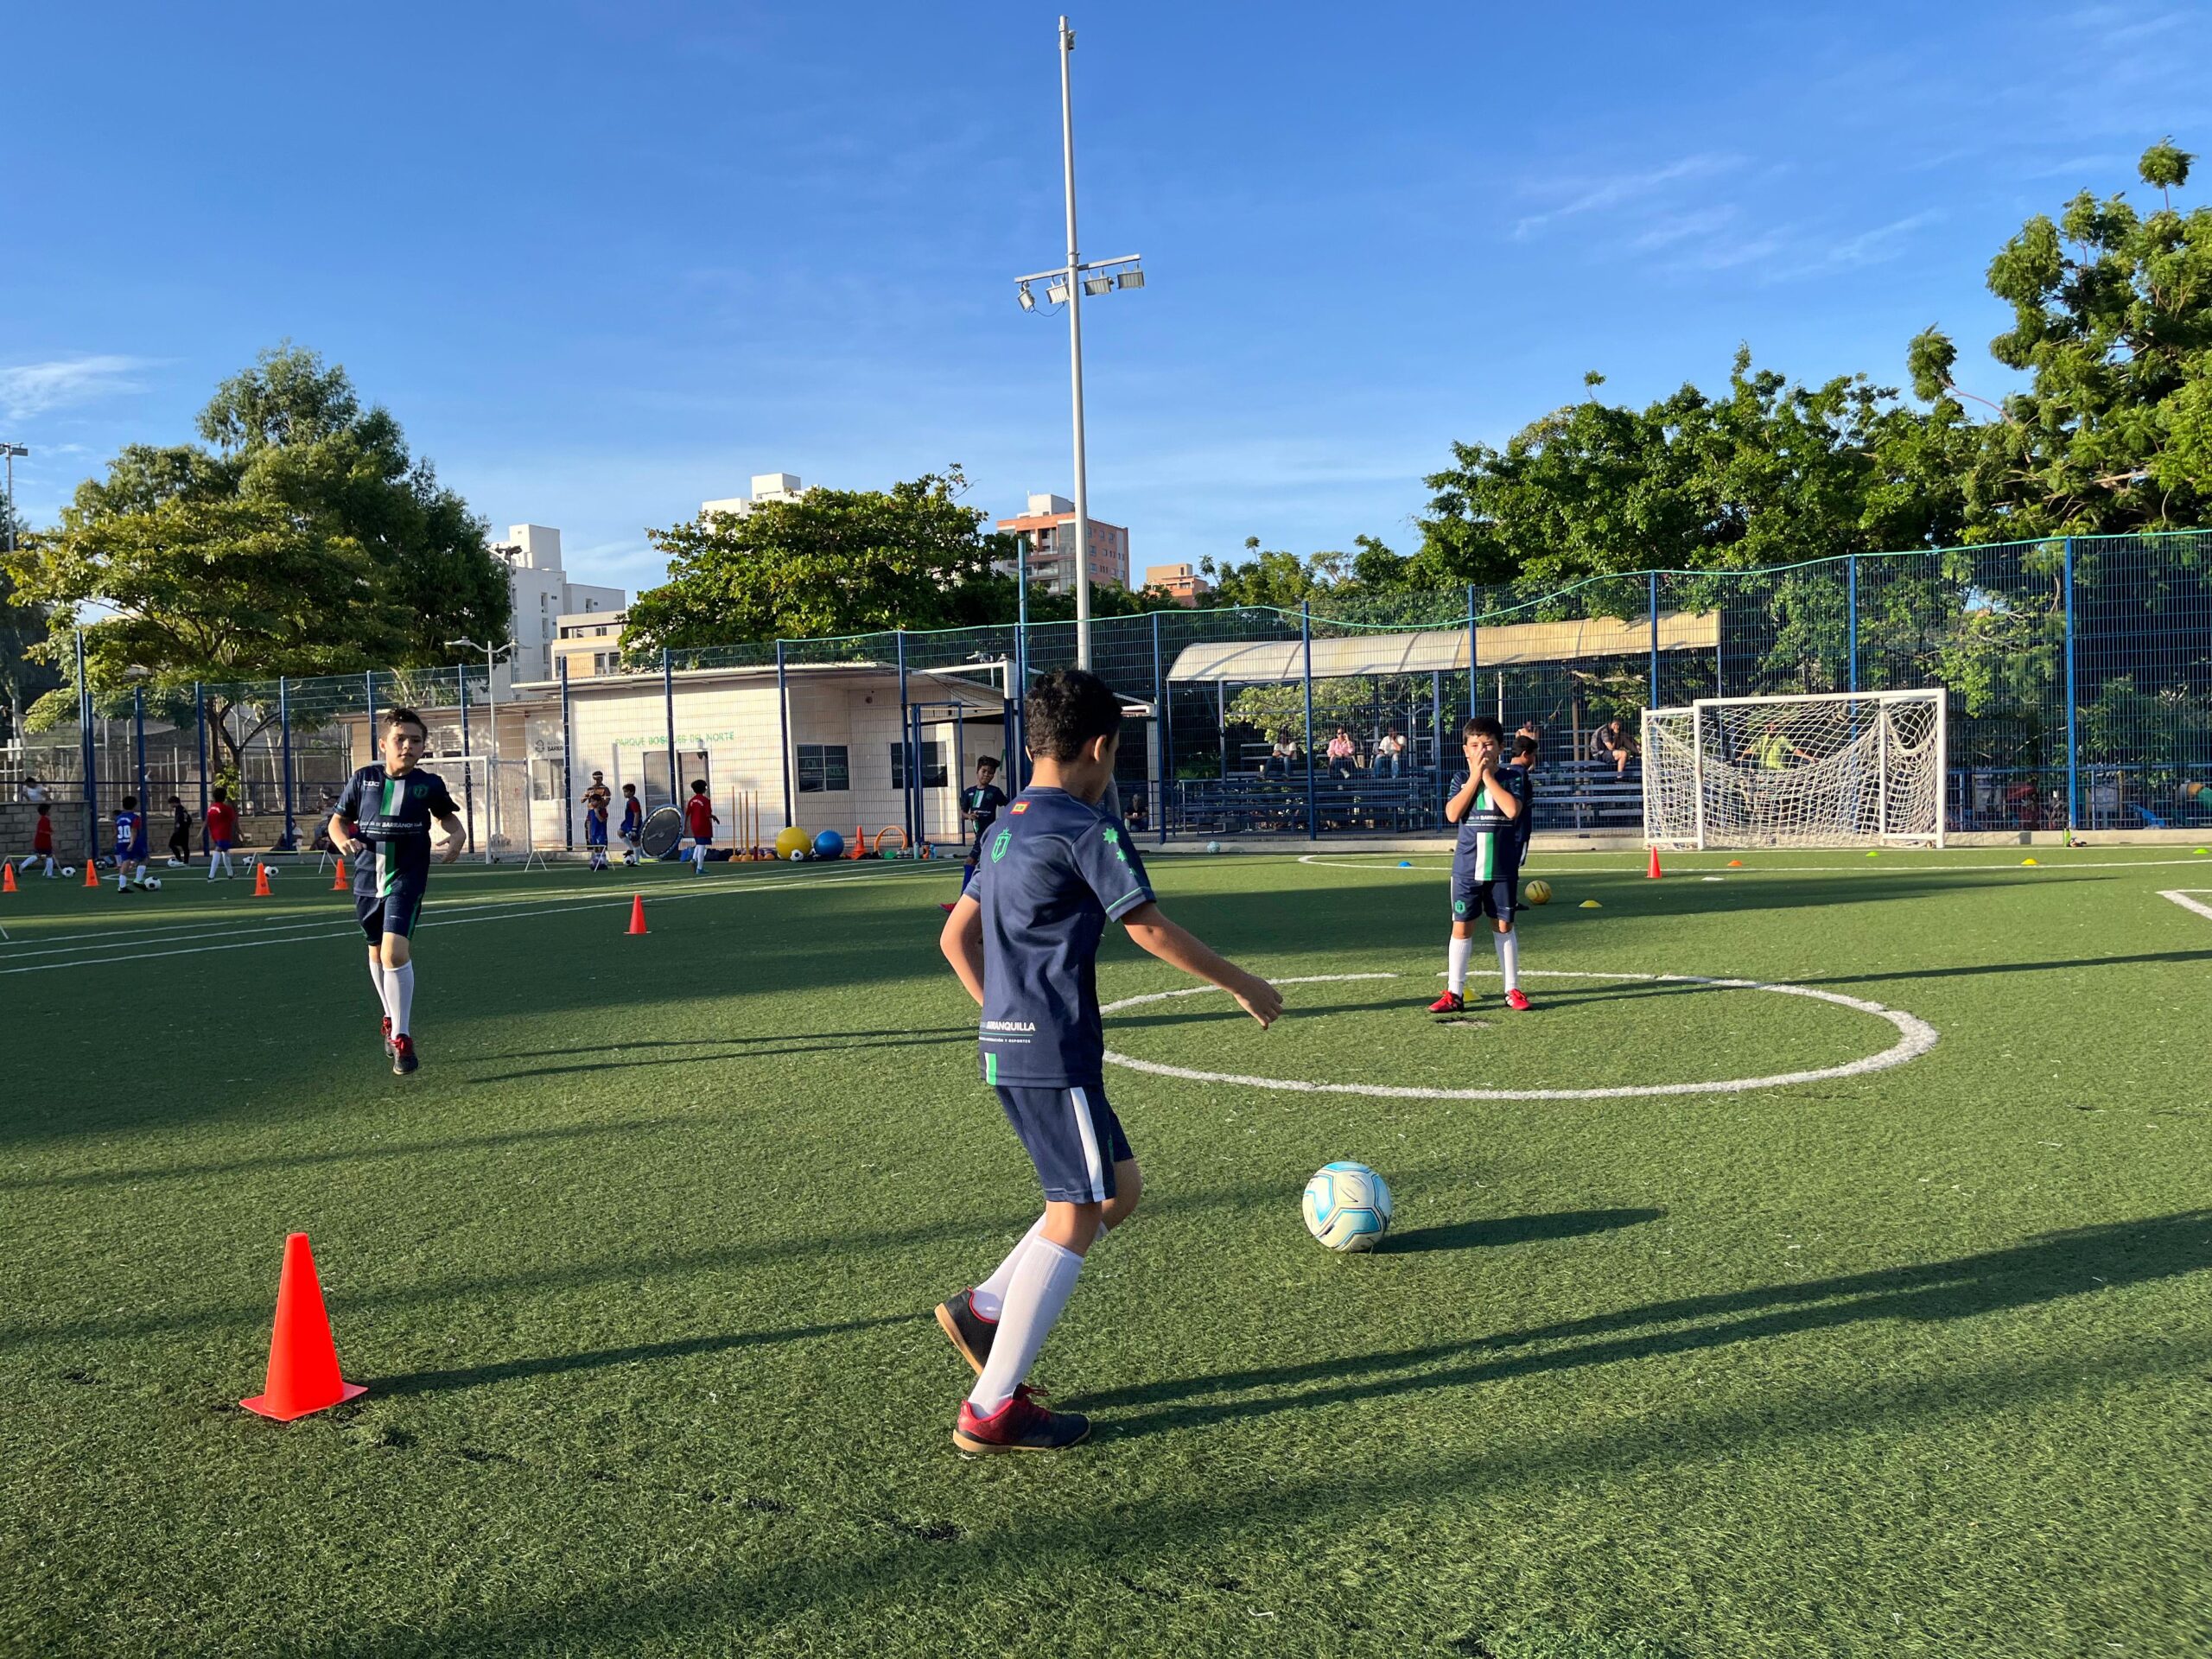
596 801
222 829
180 833
699 818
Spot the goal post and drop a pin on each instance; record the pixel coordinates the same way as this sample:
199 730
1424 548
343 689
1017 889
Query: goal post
1838 769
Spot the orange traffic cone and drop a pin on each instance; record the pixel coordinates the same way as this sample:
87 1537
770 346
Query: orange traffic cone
1652 873
302 1360
7 875
1735 863
859 841
92 874
637 913
337 883
261 888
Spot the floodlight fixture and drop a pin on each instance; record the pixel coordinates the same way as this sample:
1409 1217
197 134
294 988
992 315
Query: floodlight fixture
1133 277
1024 298
1098 284
1057 292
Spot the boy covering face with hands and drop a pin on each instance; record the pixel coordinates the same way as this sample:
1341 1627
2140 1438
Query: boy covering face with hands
1487 800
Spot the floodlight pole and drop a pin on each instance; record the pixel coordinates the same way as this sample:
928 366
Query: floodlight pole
1074 361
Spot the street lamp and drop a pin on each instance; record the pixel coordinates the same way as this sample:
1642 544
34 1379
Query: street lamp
1067 285
492 710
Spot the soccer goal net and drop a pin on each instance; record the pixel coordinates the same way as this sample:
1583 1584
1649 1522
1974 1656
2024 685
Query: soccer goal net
1850 769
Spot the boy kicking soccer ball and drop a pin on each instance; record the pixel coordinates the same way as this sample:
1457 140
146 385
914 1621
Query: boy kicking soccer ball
1487 801
1024 941
130 847
388 808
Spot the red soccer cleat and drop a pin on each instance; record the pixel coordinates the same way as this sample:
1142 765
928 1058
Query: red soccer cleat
1020 1425
1450 1002
387 1036
404 1060
1518 1000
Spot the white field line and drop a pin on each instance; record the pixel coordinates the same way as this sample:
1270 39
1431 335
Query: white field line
2181 896
1914 1038
1537 865
501 911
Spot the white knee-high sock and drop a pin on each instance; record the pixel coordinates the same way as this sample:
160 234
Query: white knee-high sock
400 982
988 1298
1456 961
1042 1282
377 979
1509 958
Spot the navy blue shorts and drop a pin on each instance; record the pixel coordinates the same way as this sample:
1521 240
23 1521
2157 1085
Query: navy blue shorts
395 912
1473 899
1071 1135
594 834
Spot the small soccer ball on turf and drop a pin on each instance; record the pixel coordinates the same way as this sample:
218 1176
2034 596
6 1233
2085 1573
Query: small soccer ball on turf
69 870
798 854
154 882
1213 846
1347 1206
1538 892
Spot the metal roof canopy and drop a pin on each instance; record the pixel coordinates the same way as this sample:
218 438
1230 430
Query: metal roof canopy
1260 662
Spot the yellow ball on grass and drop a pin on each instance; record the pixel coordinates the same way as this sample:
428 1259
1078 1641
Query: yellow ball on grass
1537 892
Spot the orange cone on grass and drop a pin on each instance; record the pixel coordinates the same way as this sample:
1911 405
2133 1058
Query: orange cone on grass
302 1359
338 881
1652 874
637 913
91 875
7 876
261 888
859 841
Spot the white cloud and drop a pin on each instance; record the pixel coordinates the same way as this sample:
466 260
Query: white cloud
29 389
1671 228
1591 198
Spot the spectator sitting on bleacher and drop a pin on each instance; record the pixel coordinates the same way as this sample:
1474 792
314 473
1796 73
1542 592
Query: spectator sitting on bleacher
1611 743
1282 759
1389 754
1534 734
1341 750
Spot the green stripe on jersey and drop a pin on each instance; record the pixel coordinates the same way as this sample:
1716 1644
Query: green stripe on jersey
991 1069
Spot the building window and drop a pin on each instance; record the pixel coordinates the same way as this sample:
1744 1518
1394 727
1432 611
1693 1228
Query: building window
932 766
823 769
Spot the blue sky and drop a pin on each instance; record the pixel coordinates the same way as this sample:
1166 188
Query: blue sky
605 261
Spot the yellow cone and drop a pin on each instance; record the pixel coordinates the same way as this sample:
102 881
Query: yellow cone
2027 861
1591 904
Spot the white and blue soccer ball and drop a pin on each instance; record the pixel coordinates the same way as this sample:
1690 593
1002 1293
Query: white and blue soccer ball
1213 846
1347 1206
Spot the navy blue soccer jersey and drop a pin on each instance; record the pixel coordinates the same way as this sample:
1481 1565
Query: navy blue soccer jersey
1490 843
986 801
393 812
129 834
1055 871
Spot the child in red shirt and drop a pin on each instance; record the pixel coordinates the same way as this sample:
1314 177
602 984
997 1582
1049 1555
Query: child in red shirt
700 820
222 830
43 842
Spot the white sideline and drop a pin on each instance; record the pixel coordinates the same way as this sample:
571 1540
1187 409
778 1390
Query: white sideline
2181 896
1914 1038
1535 866
501 911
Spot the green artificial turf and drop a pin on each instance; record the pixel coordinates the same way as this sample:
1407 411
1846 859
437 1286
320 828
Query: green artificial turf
638 1268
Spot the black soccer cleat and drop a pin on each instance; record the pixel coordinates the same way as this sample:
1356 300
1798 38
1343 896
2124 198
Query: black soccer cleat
1020 1425
402 1055
970 1331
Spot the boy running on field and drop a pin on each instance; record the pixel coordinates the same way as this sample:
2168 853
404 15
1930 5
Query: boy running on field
129 846
387 809
42 841
1487 801
700 820
979 809
222 828
1024 942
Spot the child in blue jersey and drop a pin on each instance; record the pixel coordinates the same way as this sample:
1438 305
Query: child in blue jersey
633 824
1487 801
129 846
387 810
1025 941
596 801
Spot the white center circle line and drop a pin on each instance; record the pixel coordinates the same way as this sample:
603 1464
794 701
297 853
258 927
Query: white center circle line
1914 1038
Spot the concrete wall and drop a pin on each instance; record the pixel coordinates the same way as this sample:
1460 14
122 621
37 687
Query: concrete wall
18 822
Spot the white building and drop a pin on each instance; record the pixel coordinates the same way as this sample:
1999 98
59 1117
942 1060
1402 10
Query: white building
766 488
542 594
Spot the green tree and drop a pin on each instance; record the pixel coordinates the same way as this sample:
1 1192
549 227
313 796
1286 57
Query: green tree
832 562
305 540
2112 323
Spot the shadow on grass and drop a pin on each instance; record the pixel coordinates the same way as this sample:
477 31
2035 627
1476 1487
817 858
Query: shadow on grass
836 1044
816 1571
554 1365
1499 1230
2055 1265
338 1155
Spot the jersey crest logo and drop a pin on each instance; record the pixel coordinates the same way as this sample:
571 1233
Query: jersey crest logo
999 843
